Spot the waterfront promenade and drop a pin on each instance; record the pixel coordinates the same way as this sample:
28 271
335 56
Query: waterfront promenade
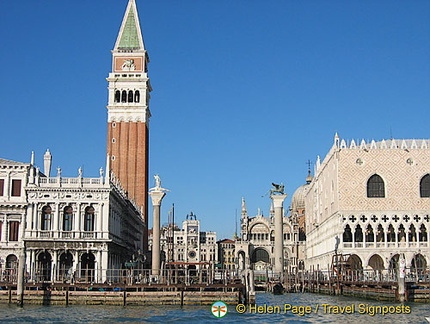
201 314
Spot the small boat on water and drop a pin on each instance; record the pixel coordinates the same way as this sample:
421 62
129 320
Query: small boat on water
278 289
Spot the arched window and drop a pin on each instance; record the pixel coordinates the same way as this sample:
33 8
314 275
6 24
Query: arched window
380 236
412 234
67 218
347 234
391 234
375 187
88 266
89 219
358 235
423 233
44 261
401 236
425 186
124 96
46 218
260 254
130 96
117 96
370 237
137 96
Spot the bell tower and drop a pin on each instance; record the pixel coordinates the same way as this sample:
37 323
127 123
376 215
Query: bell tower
128 111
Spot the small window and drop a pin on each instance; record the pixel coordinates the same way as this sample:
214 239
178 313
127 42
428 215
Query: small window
425 186
117 96
130 96
137 96
13 231
124 96
375 187
16 188
1 187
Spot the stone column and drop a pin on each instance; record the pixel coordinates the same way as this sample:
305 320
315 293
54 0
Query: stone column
278 201
156 197
104 264
56 220
21 277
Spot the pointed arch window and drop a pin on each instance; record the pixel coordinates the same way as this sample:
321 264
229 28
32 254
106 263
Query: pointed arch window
375 187
347 234
358 235
137 96
425 186
124 96
370 237
117 96
130 96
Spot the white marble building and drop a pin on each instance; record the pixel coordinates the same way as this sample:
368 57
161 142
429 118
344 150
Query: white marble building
13 207
370 201
69 228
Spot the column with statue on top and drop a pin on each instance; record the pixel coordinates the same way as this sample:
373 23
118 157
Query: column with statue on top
157 194
278 196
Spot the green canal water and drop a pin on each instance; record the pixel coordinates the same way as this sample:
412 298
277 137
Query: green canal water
290 308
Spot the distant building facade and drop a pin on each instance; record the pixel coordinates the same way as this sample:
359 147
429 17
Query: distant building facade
226 255
190 244
370 201
255 247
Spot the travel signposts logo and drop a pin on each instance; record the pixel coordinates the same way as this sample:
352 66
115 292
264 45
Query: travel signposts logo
219 309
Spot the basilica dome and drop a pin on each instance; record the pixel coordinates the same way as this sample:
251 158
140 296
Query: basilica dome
298 199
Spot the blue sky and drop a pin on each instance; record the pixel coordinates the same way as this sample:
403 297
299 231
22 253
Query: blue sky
245 92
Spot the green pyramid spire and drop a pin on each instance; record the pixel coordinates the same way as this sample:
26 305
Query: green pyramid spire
130 37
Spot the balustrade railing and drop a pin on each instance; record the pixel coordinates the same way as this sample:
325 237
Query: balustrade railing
124 276
368 275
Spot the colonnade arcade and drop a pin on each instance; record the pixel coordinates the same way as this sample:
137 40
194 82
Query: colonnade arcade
63 265
416 262
385 231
